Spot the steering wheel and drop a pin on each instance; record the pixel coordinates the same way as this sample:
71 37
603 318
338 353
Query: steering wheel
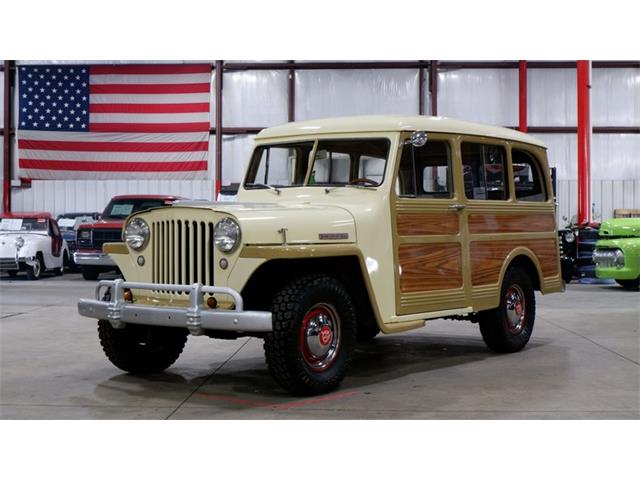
364 180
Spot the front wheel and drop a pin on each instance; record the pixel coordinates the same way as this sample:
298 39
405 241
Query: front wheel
141 348
34 272
507 329
90 273
629 284
314 334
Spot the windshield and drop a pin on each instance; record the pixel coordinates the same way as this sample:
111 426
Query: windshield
334 163
70 223
24 224
122 208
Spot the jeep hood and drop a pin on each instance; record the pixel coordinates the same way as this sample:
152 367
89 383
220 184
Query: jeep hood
620 227
269 223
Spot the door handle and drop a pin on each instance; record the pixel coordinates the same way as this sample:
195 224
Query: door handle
457 206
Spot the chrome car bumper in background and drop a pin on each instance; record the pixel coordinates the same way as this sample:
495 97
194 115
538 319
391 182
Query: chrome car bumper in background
93 259
196 317
13 263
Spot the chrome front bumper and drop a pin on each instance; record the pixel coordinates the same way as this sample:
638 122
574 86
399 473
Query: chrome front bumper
196 317
93 259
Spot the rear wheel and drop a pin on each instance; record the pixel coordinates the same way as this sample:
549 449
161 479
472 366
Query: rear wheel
34 272
90 273
65 261
141 348
314 333
629 284
507 329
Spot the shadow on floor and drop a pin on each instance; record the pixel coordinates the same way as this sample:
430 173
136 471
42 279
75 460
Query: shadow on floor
246 383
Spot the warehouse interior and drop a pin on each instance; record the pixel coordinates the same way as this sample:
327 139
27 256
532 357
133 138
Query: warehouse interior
538 97
435 400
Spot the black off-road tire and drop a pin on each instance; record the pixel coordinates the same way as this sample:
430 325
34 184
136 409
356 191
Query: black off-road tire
35 272
283 347
90 273
629 284
494 324
141 348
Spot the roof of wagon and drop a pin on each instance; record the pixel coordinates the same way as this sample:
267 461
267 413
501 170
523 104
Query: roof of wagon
393 123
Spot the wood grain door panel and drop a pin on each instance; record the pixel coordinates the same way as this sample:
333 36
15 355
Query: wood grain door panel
519 223
430 267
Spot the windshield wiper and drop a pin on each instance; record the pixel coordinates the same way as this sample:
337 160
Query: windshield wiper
348 185
264 185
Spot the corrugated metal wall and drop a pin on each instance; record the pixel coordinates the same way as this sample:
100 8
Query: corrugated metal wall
256 98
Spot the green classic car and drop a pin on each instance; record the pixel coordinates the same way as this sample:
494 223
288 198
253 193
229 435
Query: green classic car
617 252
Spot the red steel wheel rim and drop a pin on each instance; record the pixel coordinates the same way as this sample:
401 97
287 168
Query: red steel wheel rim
516 311
320 337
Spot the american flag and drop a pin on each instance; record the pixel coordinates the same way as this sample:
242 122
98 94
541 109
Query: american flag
113 121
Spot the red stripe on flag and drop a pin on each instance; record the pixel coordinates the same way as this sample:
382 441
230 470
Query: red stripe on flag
113 146
147 69
150 127
93 166
135 88
148 107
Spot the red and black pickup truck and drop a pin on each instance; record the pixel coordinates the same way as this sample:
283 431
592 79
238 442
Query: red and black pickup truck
90 238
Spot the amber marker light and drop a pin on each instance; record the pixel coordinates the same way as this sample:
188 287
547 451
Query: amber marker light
128 296
212 302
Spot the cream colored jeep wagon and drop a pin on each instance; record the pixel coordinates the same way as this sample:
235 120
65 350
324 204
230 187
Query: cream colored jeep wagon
343 228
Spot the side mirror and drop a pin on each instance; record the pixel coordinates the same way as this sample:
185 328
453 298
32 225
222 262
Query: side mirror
418 139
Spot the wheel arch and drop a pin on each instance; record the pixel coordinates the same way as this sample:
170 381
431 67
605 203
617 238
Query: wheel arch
349 269
528 261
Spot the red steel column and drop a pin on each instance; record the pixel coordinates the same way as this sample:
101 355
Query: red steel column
584 141
6 184
522 96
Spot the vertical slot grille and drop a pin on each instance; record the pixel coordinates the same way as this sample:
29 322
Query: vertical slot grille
182 252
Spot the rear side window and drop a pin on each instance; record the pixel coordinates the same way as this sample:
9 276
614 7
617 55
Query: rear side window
425 172
484 169
527 176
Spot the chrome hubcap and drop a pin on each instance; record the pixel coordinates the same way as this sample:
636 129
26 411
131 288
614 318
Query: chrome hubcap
516 309
320 337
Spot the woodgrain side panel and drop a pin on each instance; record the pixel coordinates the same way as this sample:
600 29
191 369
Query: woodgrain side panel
488 257
428 224
436 266
491 223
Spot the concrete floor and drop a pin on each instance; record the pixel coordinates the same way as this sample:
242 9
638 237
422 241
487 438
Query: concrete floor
581 363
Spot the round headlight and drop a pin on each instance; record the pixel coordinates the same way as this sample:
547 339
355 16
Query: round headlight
569 237
19 242
136 234
226 235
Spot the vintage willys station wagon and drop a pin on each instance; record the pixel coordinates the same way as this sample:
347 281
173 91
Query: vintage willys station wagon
343 228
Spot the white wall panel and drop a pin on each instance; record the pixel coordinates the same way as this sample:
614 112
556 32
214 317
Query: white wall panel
235 153
480 95
254 98
562 153
615 156
615 97
59 196
551 98
335 93
606 196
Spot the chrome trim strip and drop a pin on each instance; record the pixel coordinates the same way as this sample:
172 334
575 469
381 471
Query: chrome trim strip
93 259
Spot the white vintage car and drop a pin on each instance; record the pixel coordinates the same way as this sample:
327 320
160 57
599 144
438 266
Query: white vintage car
32 242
